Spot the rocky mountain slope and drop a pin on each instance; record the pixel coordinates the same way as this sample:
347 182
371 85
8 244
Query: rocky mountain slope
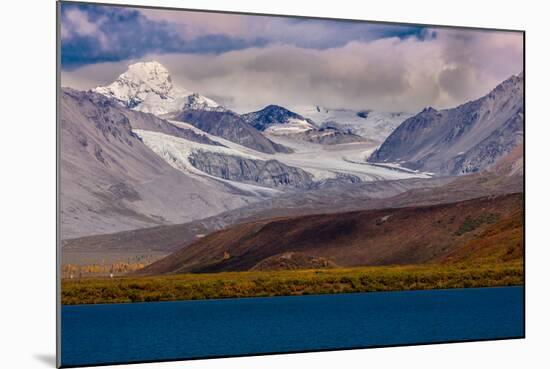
461 140
275 118
271 173
325 136
232 127
152 123
111 181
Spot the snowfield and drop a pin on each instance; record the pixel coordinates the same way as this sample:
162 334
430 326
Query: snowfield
374 125
327 161
176 151
322 161
292 126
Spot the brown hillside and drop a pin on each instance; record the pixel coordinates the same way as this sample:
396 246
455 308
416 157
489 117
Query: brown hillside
372 237
500 242
293 261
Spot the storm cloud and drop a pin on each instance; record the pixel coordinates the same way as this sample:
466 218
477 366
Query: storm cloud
95 33
247 62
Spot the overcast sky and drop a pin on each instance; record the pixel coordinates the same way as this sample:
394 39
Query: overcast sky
247 62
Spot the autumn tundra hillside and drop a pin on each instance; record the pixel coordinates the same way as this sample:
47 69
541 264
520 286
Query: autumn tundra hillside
413 235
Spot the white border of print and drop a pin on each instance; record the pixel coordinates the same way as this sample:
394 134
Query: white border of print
28 182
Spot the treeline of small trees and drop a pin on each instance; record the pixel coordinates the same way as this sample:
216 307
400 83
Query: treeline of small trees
76 271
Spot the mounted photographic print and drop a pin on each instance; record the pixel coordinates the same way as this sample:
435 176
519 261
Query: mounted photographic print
238 184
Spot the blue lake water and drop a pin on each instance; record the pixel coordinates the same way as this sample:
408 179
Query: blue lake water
100 334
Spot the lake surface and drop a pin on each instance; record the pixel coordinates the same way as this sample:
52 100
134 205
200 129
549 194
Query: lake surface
100 334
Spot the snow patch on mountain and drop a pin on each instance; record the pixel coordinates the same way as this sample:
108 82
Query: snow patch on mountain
148 87
176 150
199 102
291 126
374 125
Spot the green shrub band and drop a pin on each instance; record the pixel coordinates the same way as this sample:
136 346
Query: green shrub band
286 283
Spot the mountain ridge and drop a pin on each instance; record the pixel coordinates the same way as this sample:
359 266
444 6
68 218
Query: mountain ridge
232 127
460 140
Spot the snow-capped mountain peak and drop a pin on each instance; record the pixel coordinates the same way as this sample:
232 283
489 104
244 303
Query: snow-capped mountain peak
277 119
149 75
198 102
148 87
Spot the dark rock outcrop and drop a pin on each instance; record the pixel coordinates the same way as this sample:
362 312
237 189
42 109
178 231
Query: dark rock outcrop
270 115
271 173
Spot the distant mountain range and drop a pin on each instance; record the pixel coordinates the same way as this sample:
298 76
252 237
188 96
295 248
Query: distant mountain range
148 87
461 140
143 152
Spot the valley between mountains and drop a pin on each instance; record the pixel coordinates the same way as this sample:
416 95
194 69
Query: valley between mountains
167 194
